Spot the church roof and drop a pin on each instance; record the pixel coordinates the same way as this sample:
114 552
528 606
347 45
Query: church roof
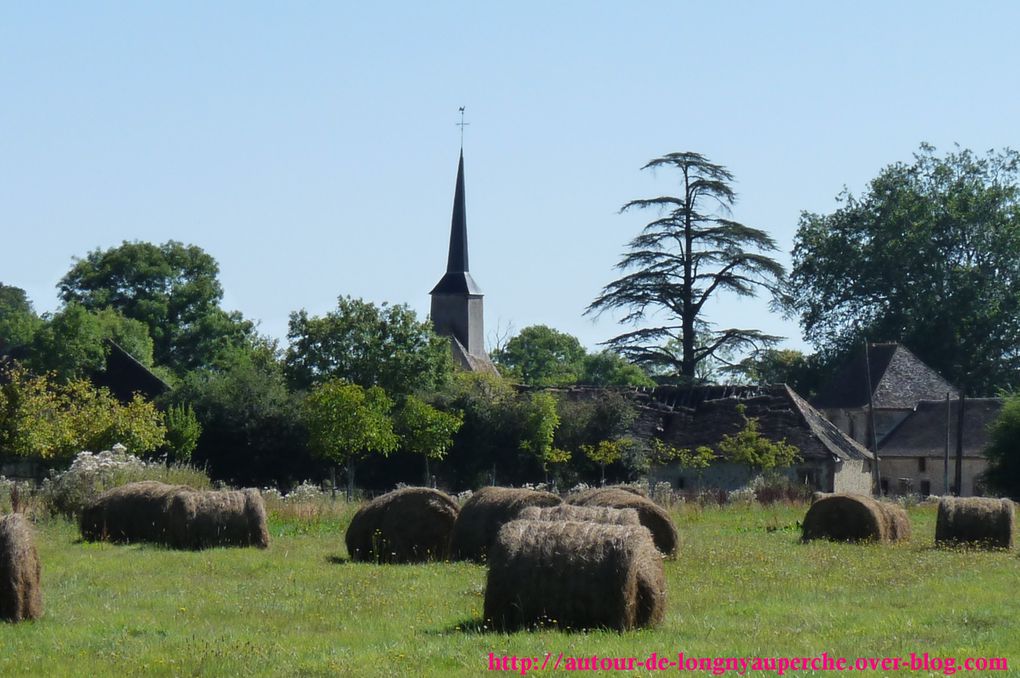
899 379
457 279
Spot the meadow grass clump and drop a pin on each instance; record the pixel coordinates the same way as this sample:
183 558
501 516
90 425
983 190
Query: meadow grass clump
91 474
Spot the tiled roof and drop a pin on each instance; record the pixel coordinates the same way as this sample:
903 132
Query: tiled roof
923 432
899 380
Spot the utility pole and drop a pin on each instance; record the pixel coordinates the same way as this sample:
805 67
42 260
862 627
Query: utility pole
871 418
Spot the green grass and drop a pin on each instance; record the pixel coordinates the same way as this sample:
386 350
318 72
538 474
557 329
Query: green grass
742 585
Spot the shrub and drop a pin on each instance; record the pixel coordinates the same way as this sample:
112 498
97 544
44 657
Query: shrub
91 474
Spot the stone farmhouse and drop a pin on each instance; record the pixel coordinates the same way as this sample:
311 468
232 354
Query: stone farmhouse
692 417
919 455
898 380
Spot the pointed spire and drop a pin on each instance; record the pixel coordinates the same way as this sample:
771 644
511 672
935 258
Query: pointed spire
457 279
458 259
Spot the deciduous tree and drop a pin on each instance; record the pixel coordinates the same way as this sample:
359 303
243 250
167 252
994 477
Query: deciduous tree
929 256
346 421
368 345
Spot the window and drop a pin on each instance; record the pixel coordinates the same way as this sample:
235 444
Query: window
922 464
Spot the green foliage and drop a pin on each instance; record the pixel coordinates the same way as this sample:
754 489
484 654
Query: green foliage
368 345
608 368
41 417
252 426
540 422
172 288
698 459
542 356
803 373
1003 450
72 343
748 446
929 256
425 430
182 432
18 321
681 260
346 421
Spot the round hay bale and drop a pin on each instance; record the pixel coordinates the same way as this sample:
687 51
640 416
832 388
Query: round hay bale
651 515
409 525
574 575
897 522
975 521
854 517
485 512
130 513
582 514
20 592
199 520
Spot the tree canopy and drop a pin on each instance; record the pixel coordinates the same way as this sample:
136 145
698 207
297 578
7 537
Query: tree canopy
542 356
368 345
173 288
1003 451
929 256
679 261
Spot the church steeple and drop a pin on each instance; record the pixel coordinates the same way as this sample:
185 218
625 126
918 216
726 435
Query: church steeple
457 279
457 299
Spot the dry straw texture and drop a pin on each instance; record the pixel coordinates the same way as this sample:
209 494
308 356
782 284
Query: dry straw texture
134 512
582 514
651 515
975 521
485 512
855 517
20 593
201 520
574 575
409 525
176 515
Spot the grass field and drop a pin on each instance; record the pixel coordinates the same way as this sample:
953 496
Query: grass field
742 585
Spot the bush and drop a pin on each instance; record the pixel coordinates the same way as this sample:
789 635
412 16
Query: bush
91 474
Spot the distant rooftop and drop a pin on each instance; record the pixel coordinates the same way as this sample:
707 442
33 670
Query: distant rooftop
923 432
899 380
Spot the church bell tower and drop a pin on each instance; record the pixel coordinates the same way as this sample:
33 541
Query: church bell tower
457 299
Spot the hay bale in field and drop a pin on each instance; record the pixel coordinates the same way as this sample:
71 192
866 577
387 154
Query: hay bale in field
485 512
582 514
897 522
651 515
855 517
20 592
975 521
130 513
576 575
199 520
408 525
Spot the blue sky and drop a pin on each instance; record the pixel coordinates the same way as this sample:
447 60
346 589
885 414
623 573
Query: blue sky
311 148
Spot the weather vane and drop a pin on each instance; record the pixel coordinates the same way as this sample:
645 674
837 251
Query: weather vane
462 125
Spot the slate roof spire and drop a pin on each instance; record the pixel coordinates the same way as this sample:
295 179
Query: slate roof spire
457 279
